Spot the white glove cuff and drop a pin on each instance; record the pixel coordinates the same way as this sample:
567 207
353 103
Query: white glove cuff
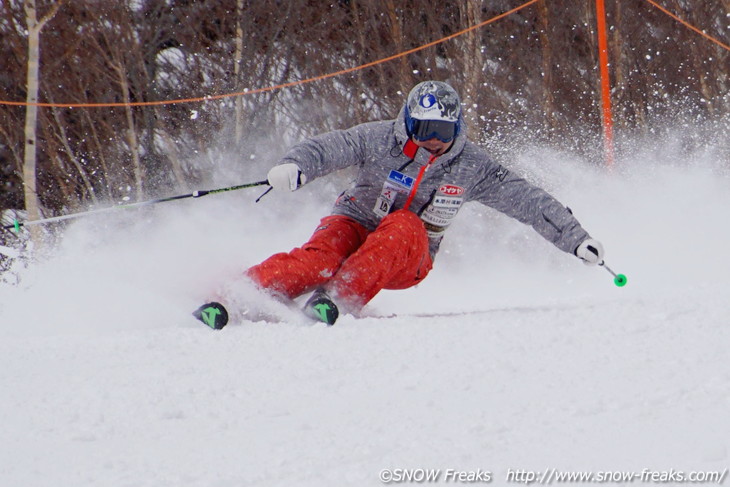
590 251
286 177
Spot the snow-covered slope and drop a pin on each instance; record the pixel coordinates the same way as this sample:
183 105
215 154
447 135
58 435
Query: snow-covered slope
511 356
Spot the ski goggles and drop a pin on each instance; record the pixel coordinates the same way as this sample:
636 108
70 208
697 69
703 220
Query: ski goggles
423 130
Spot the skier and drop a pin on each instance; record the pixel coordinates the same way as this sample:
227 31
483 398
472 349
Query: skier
415 173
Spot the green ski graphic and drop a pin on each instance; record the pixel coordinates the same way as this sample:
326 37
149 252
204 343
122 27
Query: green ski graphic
209 315
323 309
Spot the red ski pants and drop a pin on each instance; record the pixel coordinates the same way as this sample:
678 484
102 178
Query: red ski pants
350 262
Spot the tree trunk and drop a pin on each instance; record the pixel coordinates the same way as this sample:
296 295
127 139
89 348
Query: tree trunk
359 30
405 77
106 175
131 132
30 189
547 65
700 60
237 60
621 60
64 140
473 62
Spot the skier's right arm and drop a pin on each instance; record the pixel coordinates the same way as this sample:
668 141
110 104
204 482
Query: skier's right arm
286 177
318 156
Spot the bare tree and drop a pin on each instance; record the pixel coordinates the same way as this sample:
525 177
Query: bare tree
34 25
238 60
533 73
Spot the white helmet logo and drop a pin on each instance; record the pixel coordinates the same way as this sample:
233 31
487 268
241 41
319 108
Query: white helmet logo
428 100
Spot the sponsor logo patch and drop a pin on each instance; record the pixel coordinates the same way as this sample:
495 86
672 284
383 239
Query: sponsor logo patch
401 179
501 173
451 190
447 202
439 217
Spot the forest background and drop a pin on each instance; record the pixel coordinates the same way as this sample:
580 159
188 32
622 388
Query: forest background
530 76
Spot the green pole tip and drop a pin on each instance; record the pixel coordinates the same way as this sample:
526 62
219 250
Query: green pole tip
620 280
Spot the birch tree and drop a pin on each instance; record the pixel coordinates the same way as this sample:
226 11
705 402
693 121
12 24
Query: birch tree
238 60
35 25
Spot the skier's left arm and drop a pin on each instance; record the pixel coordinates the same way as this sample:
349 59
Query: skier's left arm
514 196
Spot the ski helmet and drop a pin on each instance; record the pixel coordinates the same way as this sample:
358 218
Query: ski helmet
433 110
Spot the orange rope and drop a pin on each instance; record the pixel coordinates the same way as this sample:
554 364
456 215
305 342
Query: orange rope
284 85
689 26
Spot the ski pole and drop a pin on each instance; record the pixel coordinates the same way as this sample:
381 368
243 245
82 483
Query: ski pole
195 194
618 279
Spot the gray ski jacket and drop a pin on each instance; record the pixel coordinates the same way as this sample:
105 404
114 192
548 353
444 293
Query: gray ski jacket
465 173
